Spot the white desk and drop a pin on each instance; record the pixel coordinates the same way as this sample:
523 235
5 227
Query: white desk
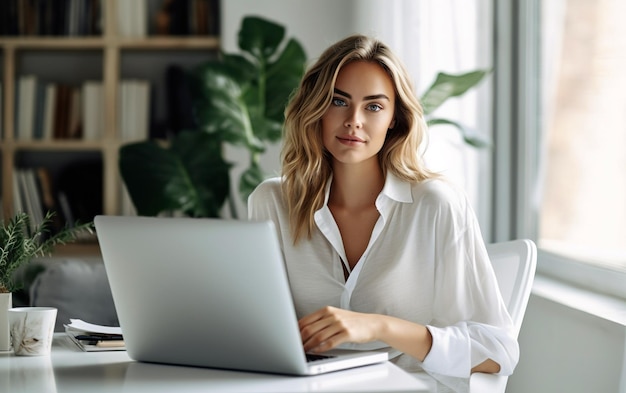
69 370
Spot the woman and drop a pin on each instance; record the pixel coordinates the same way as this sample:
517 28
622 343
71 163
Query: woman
380 252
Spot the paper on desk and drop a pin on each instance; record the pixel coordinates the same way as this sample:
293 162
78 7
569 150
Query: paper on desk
79 324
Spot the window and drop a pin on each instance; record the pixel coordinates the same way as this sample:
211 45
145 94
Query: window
559 128
582 208
559 158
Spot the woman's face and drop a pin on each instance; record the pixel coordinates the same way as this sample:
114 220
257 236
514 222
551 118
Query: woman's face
355 125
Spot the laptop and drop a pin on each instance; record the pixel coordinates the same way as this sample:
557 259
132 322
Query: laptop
208 293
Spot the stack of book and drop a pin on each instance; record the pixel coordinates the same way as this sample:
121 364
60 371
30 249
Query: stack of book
32 194
74 193
175 17
46 111
51 17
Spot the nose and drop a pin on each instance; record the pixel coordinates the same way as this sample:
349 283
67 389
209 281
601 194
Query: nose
353 120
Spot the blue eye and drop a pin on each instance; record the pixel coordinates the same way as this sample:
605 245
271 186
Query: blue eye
338 102
374 107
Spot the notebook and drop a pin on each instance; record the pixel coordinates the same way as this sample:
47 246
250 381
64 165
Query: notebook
208 293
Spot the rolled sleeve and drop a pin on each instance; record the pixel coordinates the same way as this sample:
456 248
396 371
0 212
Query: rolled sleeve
450 340
457 349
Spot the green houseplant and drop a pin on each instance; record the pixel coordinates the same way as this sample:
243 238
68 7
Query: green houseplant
20 242
240 99
446 86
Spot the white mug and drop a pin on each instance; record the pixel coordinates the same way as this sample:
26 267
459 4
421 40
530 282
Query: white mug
32 329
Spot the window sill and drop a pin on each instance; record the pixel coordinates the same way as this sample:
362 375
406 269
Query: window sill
583 274
597 304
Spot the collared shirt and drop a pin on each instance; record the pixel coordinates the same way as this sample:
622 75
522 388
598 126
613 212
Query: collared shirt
425 262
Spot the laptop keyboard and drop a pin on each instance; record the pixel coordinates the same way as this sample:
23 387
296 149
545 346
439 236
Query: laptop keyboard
315 357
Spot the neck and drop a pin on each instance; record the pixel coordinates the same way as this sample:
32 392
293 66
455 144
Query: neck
356 186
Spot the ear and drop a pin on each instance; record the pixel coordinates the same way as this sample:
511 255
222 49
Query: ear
392 124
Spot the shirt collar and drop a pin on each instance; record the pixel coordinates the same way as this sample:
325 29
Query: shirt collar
397 189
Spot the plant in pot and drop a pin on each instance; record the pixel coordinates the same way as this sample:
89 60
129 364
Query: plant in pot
20 242
240 99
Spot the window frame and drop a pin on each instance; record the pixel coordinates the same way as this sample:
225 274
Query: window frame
518 146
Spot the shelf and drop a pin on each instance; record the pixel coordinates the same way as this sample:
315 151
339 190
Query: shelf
79 145
170 42
81 43
47 43
72 61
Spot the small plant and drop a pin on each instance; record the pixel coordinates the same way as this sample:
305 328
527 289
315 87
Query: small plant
20 242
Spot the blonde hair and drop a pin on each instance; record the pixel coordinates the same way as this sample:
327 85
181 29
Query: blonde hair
306 165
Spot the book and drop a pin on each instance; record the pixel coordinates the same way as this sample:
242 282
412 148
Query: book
18 205
93 110
48 201
23 194
40 104
134 110
26 91
75 119
49 111
91 338
33 194
132 19
61 109
142 119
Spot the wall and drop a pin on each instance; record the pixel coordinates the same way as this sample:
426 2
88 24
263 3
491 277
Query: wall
565 349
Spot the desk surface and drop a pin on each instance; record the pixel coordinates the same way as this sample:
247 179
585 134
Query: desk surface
69 370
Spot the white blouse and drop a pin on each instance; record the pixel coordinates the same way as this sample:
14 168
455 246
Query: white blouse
426 262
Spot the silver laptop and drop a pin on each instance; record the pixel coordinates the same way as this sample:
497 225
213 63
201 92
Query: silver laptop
208 293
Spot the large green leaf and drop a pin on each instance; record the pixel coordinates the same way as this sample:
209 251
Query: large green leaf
446 86
260 37
221 106
207 172
240 68
470 137
283 76
147 170
190 176
243 98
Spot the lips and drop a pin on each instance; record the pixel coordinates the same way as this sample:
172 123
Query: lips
350 139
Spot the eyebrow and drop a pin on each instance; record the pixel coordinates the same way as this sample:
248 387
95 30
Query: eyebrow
372 97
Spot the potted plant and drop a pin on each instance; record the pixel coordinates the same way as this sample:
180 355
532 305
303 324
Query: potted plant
240 99
20 242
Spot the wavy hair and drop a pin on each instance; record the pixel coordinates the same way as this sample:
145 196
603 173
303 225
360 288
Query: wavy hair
307 166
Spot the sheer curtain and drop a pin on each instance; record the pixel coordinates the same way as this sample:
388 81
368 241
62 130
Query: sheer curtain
453 36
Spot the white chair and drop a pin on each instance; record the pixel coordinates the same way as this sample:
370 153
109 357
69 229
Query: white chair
514 263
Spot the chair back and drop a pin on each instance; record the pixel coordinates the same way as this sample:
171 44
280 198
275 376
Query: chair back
514 263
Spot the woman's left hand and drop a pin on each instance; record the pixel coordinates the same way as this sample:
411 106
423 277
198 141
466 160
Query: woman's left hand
330 326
